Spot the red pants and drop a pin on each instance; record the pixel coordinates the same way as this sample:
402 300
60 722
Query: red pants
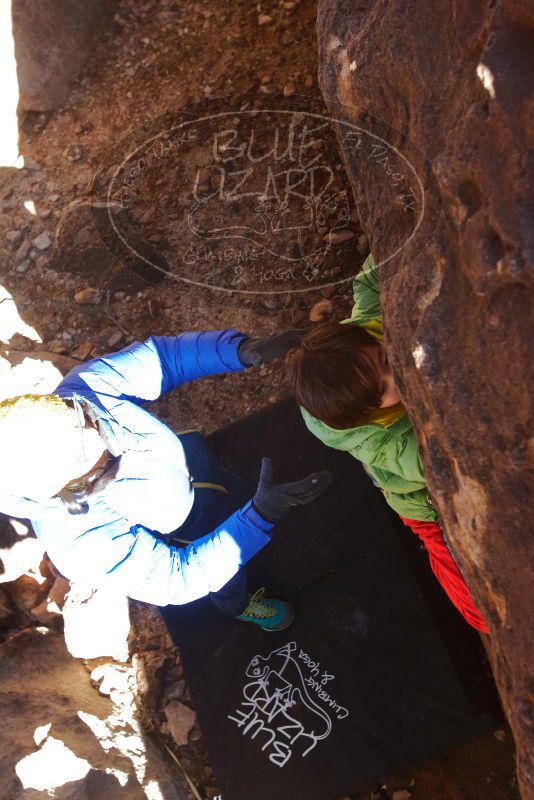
446 571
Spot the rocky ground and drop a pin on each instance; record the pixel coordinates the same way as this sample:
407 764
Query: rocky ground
71 294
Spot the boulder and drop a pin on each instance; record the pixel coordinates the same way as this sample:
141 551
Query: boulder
441 179
53 39
64 738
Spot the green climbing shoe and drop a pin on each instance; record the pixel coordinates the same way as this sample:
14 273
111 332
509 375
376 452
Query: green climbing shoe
269 614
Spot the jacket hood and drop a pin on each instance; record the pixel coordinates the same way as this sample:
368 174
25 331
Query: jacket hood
365 440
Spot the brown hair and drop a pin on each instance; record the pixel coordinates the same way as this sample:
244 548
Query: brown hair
75 494
333 377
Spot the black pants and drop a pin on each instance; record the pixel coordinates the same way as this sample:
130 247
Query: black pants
218 493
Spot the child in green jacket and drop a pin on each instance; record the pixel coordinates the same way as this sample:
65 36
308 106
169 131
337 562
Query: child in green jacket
342 379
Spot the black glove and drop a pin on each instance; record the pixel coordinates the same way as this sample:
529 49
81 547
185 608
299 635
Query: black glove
273 500
255 352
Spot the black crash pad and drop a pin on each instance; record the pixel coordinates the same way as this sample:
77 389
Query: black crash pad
377 672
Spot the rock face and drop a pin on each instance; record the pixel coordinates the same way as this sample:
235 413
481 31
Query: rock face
65 738
446 212
53 39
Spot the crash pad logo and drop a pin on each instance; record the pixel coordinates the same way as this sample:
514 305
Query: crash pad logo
249 200
287 708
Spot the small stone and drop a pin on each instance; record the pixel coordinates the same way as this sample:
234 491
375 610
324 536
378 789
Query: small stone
362 245
42 242
14 237
73 152
44 213
23 251
88 296
23 266
57 346
289 89
83 350
339 237
500 735
401 794
115 338
176 691
320 310
180 720
119 295
31 164
53 198
264 19
322 230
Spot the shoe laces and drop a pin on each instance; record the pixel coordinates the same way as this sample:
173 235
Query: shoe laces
259 608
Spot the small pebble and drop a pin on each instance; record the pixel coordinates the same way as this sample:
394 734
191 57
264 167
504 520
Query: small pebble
88 296
15 237
339 237
264 19
23 251
115 338
83 350
362 245
42 242
31 164
289 89
23 266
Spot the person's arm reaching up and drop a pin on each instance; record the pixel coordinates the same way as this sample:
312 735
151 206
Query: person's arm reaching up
145 370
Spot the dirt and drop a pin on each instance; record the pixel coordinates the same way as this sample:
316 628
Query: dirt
159 59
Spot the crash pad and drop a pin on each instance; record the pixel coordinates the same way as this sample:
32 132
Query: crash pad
377 673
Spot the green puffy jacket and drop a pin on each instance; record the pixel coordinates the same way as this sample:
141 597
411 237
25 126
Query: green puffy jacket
388 449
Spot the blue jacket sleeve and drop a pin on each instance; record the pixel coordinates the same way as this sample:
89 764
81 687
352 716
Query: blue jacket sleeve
145 370
132 561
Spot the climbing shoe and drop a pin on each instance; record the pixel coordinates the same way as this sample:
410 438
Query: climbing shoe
269 614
